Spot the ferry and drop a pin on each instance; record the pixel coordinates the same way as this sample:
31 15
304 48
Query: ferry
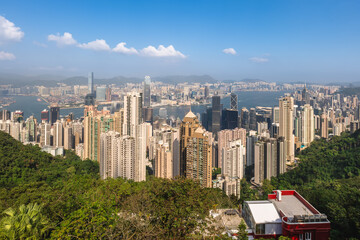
39 100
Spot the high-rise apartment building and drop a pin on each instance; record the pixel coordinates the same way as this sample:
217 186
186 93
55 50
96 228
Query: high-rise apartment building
224 139
45 129
68 137
58 134
31 129
195 150
233 164
324 127
132 113
286 125
308 125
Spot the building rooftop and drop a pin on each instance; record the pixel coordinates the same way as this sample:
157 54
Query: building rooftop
190 114
264 212
291 206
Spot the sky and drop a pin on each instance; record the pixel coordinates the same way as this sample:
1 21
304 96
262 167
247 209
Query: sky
272 40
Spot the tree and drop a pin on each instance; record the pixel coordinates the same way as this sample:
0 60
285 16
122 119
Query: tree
27 222
242 234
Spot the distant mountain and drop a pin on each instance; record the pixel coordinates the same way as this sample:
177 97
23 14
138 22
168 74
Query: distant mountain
182 78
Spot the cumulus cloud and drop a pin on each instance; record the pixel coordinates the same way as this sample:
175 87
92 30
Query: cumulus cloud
161 51
65 39
97 45
259 59
8 31
229 51
121 48
6 56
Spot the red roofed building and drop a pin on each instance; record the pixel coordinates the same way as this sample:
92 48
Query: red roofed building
294 217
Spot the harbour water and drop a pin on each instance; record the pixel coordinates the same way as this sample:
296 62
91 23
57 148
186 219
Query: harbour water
31 106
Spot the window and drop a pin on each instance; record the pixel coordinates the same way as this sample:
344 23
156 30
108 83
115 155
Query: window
260 228
307 236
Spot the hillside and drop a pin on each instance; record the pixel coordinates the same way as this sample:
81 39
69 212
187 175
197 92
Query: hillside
328 177
77 204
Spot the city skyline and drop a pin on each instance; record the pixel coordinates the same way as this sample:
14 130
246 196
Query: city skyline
274 41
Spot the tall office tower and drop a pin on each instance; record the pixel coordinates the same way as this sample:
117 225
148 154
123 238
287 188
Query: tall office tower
286 125
195 150
245 119
324 130
91 83
101 94
224 139
89 100
147 91
54 114
308 125
45 115
252 124
275 115
233 164
250 149
274 130
147 114
5 115
261 126
206 119
45 129
233 101
68 137
78 132
206 92
230 119
31 129
163 161
168 137
216 115
132 113
58 134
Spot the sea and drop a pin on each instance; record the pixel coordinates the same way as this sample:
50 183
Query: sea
31 106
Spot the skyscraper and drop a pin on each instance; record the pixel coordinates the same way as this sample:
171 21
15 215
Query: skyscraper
252 124
324 128
195 150
233 101
147 91
54 114
230 119
45 134
132 113
233 160
31 129
45 115
216 115
91 83
286 125
308 125
101 93
58 134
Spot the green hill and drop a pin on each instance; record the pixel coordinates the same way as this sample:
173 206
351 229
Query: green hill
328 177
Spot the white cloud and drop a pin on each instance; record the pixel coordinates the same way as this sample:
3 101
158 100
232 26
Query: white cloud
97 45
162 51
8 31
229 51
40 44
65 39
6 56
259 59
120 48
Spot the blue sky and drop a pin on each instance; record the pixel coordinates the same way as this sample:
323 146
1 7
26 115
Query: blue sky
289 40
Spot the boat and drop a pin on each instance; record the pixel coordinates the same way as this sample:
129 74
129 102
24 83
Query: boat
39 100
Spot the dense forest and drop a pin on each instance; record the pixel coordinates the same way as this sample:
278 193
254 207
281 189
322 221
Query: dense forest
42 196
328 177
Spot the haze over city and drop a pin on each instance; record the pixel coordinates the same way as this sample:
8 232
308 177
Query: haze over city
282 41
